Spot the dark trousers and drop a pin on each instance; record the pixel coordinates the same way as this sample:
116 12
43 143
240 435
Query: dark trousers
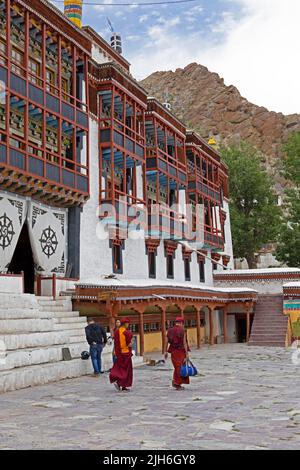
95 352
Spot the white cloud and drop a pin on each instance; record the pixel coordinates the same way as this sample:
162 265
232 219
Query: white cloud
132 37
259 52
102 8
143 18
195 10
169 22
227 23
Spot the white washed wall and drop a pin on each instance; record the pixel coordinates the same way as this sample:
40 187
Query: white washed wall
94 254
98 55
228 237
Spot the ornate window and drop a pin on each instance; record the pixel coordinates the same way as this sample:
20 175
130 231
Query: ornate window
117 255
170 249
151 251
187 257
201 262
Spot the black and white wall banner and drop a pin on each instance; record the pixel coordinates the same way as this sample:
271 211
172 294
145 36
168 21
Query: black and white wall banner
13 210
48 235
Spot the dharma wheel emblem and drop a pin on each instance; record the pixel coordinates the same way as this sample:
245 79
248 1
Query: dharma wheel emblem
6 231
48 241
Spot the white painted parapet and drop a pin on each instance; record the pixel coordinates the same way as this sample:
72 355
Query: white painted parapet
11 283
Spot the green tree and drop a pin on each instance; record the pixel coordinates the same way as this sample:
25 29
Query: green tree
288 249
255 216
291 160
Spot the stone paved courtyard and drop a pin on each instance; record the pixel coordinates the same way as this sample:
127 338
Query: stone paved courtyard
244 398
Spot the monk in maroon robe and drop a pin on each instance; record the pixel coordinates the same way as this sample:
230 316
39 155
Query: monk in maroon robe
177 346
121 375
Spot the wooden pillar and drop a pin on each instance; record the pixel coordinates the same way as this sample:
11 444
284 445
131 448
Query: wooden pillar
248 324
142 335
38 285
163 329
54 286
225 324
211 326
111 316
198 319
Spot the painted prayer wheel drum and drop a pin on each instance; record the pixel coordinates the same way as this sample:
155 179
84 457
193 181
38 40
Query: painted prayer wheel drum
73 11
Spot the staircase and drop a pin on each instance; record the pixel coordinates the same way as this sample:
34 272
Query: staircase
269 327
33 331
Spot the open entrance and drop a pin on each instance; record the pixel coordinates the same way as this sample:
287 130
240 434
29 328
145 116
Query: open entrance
22 260
241 330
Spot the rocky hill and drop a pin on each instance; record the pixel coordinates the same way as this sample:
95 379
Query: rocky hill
202 100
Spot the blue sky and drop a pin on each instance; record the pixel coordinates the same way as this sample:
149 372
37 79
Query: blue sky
252 44
137 24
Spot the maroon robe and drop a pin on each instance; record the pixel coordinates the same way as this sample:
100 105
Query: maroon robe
178 353
122 371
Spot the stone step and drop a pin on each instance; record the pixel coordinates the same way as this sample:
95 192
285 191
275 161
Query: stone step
42 374
263 328
70 326
257 334
29 357
270 325
76 338
18 301
34 340
48 300
44 297
67 320
270 315
53 308
18 313
270 321
277 321
262 337
57 315
27 325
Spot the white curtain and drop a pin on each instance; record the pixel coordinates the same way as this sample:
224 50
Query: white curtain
48 234
13 212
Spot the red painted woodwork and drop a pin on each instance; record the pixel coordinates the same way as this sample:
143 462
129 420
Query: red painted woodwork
30 91
205 188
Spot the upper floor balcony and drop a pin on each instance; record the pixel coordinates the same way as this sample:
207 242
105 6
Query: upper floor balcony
205 191
165 142
43 105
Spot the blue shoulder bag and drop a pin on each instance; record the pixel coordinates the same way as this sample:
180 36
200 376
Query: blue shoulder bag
188 369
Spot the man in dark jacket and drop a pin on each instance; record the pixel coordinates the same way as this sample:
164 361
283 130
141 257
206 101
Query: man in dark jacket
97 339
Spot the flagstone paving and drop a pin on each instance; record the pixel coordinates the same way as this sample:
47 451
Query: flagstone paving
243 398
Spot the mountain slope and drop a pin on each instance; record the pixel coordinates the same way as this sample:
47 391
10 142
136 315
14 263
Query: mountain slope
202 100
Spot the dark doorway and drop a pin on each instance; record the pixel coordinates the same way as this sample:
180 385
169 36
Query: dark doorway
241 330
23 260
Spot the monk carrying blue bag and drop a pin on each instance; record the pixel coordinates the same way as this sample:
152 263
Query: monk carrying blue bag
188 369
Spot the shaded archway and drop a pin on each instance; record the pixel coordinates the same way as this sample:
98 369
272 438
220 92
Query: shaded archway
22 260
